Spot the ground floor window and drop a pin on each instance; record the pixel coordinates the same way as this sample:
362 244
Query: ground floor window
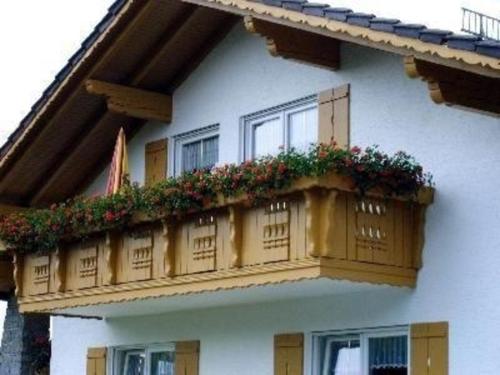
373 352
146 360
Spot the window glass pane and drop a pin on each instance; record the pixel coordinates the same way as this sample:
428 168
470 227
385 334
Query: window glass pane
133 363
303 129
388 355
340 356
162 363
267 137
210 155
191 156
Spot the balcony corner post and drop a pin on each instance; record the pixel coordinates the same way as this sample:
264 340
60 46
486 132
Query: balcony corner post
110 259
235 235
313 229
328 222
168 251
17 261
59 270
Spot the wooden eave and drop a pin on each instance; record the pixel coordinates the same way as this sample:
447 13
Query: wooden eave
47 159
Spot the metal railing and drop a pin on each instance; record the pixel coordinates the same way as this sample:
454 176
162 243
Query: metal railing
480 24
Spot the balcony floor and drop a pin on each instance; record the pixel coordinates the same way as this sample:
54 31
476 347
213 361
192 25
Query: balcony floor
241 296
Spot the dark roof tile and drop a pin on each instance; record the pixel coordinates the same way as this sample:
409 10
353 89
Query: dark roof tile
384 24
77 56
463 42
435 36
409 30
314 9
293 4
337 14
489 48
90 40
51 89
275 3
360 19
116 6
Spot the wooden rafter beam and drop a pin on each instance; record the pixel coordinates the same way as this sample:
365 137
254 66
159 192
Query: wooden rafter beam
295 44
133 102
455 87
41 196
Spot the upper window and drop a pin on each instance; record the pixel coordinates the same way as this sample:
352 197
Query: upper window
151 360
198 149
292 125
375 353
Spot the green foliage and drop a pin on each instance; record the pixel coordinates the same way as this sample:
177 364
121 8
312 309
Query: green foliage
42 230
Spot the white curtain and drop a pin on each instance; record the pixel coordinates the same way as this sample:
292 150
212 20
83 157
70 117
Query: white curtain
348 362
210 155
200 154
303 129
268 137
191 156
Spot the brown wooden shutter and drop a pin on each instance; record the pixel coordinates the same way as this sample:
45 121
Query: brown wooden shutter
156 162
187 358
334 116
96 361
429 349
289 354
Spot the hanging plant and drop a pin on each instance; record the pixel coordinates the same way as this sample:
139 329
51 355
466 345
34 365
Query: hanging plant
42 230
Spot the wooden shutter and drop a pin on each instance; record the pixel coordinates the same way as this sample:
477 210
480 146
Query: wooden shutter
96 361
289 354
156 162
334 116
187 358
429 349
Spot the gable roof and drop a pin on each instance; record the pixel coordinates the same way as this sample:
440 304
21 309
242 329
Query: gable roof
66 116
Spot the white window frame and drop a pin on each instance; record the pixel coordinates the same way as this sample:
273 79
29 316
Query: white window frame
364 335
148 350
189 137
281 112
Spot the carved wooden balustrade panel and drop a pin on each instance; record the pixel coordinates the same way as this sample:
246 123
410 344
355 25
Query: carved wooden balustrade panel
310 231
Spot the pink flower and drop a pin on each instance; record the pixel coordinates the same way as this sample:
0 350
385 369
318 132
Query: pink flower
355 150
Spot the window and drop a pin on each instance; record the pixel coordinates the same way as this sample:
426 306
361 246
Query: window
151 360
198 149
292 125
369 353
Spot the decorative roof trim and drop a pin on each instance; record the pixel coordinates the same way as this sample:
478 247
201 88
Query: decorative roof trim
441 54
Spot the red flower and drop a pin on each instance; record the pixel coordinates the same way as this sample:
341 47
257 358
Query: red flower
109 216
355 150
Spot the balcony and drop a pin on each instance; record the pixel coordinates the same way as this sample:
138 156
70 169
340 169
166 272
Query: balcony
318 228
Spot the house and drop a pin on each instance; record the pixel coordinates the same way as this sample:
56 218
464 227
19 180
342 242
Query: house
318 278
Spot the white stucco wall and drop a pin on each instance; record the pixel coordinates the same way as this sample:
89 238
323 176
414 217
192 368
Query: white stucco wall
460 278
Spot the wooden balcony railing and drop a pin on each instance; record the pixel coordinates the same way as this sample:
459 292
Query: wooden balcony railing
317 228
